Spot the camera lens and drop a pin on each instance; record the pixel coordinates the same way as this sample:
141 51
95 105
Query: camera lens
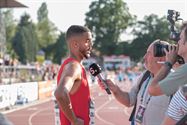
159 49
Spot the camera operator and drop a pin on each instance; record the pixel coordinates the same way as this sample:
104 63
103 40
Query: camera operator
168 83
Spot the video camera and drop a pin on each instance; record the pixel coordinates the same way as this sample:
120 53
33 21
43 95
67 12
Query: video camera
159 51
172 17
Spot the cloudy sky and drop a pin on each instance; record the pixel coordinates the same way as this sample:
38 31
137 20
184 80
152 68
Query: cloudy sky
64 13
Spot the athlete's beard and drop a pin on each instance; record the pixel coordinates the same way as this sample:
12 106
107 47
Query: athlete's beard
84 54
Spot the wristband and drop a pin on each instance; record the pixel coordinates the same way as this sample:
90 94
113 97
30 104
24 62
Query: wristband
168 64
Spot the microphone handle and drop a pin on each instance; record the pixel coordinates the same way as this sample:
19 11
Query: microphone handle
108 91
105 84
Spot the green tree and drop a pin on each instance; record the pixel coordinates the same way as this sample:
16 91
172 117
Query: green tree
10 27
42 12
151 28
46 30
25 41
108 19
60 49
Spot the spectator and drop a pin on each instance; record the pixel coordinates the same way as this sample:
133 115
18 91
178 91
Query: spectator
168 83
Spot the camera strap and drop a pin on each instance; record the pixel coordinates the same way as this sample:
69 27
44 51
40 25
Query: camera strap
145 76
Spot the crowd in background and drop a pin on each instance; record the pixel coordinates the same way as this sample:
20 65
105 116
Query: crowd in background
13 72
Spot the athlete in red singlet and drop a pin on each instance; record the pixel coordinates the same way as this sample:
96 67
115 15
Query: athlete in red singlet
72 93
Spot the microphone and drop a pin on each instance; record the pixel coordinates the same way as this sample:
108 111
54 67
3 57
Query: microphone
95 70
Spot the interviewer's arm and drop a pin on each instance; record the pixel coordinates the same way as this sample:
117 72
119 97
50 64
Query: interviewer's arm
121 96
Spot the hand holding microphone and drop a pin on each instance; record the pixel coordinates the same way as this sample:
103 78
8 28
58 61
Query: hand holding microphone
95 70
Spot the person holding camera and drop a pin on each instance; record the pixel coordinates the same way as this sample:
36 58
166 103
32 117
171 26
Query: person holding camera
148 110
168 83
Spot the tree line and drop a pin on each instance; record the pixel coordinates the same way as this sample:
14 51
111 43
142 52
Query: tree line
108 20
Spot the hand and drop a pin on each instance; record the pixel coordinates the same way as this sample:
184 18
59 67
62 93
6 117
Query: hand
171 54
101 84
78 122
114 88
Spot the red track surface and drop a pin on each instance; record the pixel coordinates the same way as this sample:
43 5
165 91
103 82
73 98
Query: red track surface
108 111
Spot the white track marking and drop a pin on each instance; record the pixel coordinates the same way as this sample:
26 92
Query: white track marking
34 114
26 106
99 108
126 112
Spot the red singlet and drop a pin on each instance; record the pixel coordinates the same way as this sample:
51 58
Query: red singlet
80 100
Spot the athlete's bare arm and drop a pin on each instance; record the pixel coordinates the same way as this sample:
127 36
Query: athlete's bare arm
69 83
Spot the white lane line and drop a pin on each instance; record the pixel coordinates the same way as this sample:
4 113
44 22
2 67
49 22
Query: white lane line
26 106
32 109
99 108
126 112
34 114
